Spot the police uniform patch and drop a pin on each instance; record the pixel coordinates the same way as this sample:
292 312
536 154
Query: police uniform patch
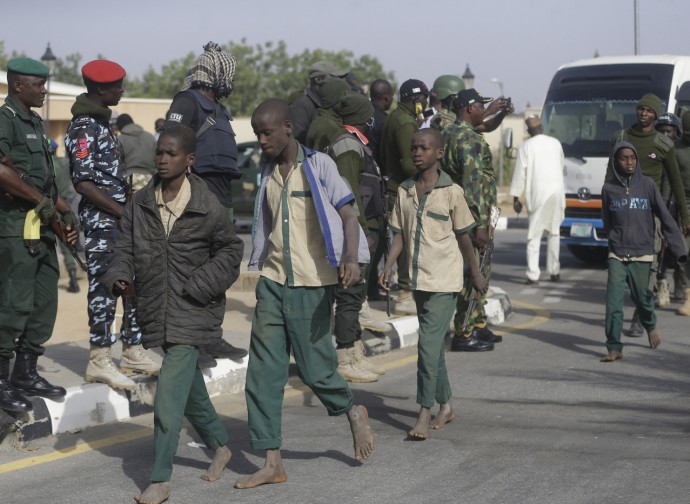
31 136
82 148
652 155
175 117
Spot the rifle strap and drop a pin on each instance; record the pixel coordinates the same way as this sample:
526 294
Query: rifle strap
210 120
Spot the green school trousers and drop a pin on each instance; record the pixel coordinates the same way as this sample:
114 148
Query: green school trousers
181 391
636 276
434 311
298 319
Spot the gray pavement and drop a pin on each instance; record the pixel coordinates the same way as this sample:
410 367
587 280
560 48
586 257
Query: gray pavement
89 404
540 421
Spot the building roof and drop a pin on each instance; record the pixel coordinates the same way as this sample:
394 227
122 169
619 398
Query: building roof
56 87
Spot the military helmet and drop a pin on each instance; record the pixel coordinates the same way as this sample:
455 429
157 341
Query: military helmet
447 85
672 120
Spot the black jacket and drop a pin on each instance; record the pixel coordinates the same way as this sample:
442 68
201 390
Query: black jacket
628 210
180 280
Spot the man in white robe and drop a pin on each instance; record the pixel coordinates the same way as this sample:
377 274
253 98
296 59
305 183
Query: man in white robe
539 175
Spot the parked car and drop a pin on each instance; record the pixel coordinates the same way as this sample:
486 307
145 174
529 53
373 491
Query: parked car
244 189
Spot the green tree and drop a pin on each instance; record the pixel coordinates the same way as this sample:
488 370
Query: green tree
263 71
160 85
5 58
69 70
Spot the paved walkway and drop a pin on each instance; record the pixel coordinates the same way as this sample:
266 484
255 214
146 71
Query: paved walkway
87 404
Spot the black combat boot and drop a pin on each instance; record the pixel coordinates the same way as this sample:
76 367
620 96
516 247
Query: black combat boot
10 398
73 284
27 380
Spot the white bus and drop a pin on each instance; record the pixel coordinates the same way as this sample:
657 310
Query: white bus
587 102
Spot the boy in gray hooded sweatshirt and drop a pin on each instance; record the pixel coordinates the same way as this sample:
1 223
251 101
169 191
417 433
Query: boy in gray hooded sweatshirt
630 201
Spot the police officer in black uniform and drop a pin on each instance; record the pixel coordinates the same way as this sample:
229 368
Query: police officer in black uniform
197 105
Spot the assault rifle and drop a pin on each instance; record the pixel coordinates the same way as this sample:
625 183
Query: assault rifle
383 235
484 263
56 224
129 290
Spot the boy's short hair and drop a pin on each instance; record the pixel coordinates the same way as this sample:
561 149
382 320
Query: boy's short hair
434 134
184 135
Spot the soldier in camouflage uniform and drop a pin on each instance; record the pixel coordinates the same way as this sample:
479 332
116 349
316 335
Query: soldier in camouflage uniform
468 161
446 89
98 174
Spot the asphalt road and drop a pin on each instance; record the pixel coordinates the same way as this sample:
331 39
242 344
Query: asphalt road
540 420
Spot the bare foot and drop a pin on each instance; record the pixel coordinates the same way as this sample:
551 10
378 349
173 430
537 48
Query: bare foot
221 457
654 338
272 472
361 432
421 429
445 415
612 356
155 493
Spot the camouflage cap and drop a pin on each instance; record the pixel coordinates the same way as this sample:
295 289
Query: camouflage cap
28 66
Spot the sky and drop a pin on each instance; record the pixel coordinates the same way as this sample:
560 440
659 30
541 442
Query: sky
521 43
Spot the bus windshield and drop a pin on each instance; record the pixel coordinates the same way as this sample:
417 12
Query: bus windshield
586 105
585 128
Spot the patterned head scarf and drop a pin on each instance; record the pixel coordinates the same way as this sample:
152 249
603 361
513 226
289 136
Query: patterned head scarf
213 69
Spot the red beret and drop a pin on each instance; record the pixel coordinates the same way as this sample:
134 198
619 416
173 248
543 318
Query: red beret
103 71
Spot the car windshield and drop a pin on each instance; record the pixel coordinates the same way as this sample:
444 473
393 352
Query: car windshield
586 105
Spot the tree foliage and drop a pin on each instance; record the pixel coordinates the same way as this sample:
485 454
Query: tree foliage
263 71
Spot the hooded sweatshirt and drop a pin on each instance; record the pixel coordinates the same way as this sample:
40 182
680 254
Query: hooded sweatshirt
658 158
629 205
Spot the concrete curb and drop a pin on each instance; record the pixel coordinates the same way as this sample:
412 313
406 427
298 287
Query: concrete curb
91 404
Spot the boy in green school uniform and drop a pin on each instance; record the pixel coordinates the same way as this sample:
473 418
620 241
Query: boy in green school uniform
432 219
306 239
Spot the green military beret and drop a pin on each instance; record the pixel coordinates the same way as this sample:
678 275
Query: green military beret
355 108
331 91
28 66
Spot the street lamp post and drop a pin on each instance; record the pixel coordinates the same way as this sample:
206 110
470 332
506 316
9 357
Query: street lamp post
48 59
468 77
500 149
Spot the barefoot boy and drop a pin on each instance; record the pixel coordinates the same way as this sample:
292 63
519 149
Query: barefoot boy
629 202
306 238
432 219
179 245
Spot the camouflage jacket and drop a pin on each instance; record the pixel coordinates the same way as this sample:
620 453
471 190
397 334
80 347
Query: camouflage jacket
469 163
442 119
95 155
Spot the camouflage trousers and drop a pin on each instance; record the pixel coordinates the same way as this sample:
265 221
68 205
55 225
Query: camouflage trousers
101 304
478 315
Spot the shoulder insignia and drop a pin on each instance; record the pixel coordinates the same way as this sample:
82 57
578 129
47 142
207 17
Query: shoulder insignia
10 111
663 142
